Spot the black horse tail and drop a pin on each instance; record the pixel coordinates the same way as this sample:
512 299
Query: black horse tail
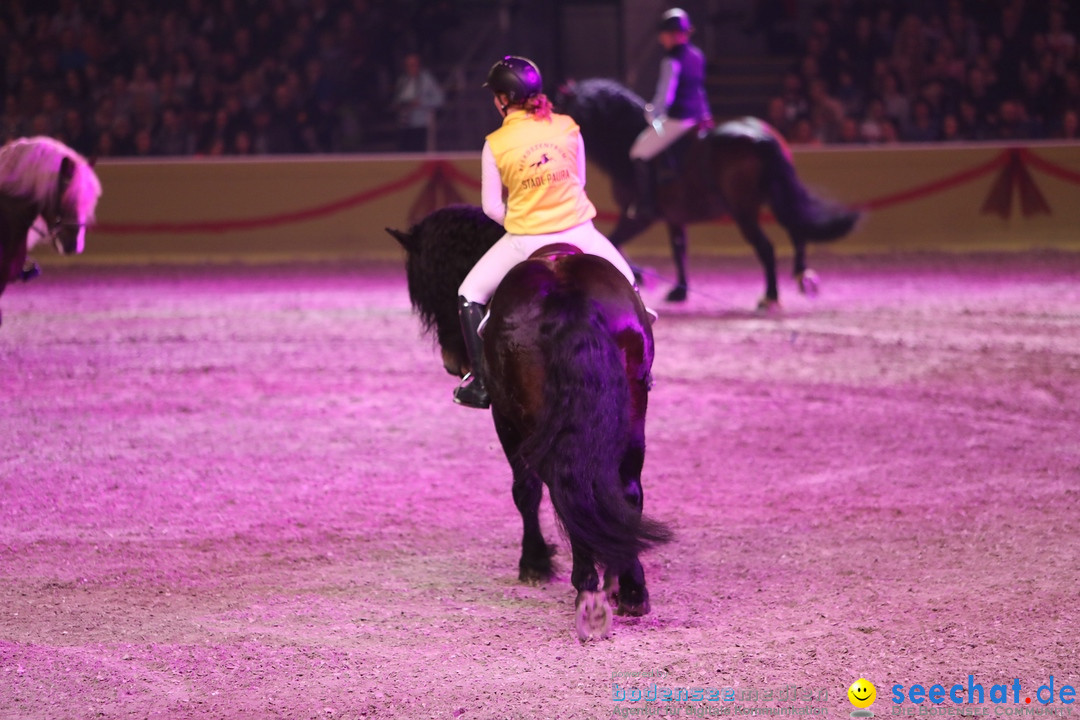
583 433
798 210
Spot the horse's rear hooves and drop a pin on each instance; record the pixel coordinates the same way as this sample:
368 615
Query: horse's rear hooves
768 305
808 283
677 294
593 616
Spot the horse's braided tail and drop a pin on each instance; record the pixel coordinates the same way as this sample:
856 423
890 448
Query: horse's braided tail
798 210
584 431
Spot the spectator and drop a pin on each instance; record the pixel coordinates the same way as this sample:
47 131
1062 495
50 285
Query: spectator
890 134
794 99
972 125
950 129
75 134
776 116
849 132
416 98
1069 127
897 105
922 127
170 137
804 133
872 129
826 112
1013 122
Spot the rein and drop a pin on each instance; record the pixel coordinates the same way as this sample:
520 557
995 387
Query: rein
52 231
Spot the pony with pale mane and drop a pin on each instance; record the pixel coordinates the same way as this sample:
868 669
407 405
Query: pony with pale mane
48 194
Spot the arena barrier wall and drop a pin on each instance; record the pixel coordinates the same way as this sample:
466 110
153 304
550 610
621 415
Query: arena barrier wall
925 198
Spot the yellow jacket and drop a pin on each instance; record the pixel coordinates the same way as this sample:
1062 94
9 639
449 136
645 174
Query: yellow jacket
539 164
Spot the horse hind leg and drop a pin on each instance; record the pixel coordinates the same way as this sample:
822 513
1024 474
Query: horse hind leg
626 590
806 278
677 237
626 586
763 248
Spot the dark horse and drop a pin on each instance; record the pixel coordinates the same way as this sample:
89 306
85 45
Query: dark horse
569 349
48 193
732 169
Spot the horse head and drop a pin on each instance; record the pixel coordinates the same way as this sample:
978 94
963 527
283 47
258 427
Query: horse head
610 116
61 184
440 251
66 229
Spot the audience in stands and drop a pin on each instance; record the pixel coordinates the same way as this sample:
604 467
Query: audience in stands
229 77
181 77
956 70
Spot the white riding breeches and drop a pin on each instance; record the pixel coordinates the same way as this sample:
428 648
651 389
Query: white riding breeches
479 285
659 135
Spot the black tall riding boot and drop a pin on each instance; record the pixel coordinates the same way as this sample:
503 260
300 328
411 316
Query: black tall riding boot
642 208
471 391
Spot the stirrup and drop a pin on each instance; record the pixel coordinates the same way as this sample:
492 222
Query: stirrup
472 393
641 211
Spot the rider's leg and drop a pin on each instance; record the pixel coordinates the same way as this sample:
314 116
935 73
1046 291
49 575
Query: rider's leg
643 208
647 145
594 242
475 291
472 392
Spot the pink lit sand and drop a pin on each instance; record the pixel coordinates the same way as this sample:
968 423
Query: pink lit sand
237 492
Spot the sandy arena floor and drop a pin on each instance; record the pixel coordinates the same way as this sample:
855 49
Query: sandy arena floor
236 492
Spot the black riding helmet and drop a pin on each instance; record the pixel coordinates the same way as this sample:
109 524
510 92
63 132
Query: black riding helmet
675 20
516 77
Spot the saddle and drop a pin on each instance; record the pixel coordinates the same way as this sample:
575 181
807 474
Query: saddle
554 251
676 159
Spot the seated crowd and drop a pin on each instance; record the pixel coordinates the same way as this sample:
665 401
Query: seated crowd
885 71
237 77
209 77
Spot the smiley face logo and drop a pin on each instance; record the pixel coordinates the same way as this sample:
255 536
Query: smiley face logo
862 694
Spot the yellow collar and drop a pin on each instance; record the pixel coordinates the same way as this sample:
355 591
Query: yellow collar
514 116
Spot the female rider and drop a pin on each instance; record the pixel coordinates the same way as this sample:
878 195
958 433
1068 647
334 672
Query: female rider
539 157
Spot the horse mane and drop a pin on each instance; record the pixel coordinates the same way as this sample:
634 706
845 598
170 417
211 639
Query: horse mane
29 168
443 248
610 116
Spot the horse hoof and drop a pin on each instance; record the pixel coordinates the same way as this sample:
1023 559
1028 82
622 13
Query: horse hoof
677 294
808 283
31 271
535 574
593 618
627 609
537 566
768 305
611 588
628 601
